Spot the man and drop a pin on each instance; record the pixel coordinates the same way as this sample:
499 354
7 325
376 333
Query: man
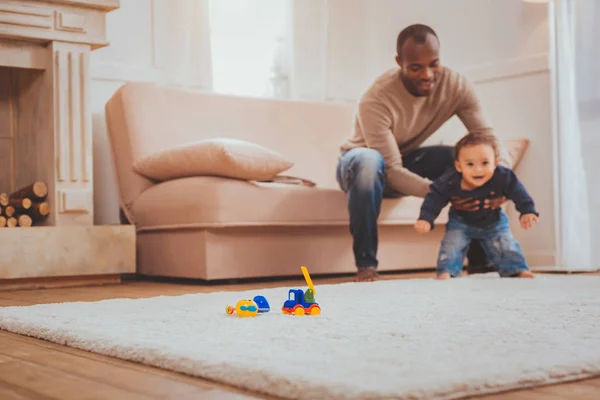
383 157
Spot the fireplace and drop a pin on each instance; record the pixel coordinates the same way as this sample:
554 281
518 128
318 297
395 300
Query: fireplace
46 140
46 132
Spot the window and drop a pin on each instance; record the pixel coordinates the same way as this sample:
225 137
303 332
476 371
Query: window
250 47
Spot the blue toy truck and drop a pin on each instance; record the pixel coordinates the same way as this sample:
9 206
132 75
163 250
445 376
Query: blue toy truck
300 302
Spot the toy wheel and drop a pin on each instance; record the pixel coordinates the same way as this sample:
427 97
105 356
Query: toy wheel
299 311
315 310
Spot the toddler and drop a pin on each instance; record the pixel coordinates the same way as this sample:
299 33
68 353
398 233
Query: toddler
477 175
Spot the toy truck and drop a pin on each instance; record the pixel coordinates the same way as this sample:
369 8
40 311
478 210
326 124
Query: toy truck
300 302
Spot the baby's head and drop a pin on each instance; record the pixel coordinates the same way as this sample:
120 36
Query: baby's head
476 157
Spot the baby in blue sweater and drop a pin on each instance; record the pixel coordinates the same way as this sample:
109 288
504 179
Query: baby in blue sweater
477 175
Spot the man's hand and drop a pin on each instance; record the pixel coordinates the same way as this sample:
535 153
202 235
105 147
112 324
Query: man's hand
527 220
468 204
422 226
495 202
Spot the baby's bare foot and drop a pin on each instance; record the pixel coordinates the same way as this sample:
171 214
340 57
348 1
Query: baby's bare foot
526 274
443 277
368 274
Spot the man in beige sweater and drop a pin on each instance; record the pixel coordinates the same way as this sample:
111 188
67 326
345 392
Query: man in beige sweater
384 156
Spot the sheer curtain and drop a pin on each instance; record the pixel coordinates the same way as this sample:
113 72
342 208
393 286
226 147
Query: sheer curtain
250 47
182 42
292 49
575 41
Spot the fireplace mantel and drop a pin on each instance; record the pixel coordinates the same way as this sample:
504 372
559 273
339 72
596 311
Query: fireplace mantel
56 37
46 132
103 5
73 21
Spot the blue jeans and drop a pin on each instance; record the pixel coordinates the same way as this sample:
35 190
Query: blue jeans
497 241
361 175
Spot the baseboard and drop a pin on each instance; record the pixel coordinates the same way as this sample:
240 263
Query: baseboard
570 270
58 282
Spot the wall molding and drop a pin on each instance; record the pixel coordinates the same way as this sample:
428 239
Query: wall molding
509 69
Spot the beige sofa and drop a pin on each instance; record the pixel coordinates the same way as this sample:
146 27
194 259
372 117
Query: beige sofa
212 227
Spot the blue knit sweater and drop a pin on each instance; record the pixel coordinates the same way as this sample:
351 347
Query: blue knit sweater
504 182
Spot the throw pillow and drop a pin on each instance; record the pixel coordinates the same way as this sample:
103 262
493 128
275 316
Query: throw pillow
231 158
516 148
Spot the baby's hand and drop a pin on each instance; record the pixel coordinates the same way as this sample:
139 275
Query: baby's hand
422 226
527 220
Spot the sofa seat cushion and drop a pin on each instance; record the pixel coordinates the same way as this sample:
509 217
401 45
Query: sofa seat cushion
207 201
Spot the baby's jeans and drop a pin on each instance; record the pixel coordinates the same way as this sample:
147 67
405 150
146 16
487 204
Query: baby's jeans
496 239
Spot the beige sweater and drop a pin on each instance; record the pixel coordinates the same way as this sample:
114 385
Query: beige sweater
391 120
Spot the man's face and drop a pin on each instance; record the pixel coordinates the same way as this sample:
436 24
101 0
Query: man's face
420 65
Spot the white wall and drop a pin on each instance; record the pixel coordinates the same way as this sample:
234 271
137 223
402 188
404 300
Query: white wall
129 57
472 32
502 45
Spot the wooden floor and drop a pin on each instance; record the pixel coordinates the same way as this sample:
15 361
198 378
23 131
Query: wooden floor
35 369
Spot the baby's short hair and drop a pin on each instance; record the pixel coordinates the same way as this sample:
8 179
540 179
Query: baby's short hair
473 139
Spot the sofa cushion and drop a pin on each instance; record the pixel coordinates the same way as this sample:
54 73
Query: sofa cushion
222 202
232 158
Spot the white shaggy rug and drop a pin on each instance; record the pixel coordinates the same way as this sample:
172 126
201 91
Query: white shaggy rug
401 339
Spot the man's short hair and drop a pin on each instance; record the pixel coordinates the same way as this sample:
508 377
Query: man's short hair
418 32
473 139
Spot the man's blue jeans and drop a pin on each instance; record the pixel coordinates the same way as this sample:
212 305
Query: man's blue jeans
361 174
497 241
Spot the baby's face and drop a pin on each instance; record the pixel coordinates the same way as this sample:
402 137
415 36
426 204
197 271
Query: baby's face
477 164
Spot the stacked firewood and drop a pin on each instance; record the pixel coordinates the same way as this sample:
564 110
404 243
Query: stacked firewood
26 206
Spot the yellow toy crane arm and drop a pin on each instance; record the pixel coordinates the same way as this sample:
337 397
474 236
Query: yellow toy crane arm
308 280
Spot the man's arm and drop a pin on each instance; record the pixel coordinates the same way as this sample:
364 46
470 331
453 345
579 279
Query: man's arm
375 122
470 113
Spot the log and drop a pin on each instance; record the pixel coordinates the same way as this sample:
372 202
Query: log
39 211
20 205
11 222
36 191
2 221
25 220
42 208
3 199
9 211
